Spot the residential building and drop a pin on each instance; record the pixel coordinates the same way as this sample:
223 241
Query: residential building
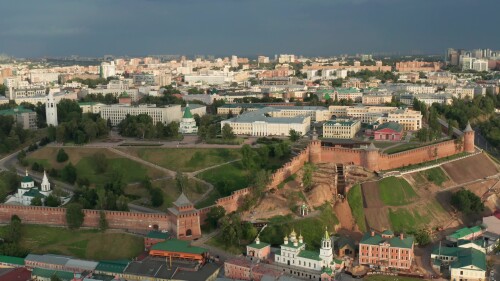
261 123
117 112
428 99
26 118
144 79
461 92
107 69
385 250
389 131
409 66
91 107
25 92
376 98
465 233
464 262
341 128
348 94
262 59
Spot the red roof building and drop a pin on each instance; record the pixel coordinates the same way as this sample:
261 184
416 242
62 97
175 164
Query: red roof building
390 131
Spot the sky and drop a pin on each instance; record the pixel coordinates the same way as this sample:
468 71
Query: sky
34 28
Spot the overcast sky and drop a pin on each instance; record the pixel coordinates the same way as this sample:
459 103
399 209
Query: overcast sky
33 28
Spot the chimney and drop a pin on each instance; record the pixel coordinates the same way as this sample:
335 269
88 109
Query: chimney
401 236
373 233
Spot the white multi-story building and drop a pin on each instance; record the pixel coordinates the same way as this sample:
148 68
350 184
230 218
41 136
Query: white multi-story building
108 69
91 107
25 92
116 113
480 65
261 123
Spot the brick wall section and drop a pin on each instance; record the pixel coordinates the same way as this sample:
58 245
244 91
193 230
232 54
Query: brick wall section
290 168
57 216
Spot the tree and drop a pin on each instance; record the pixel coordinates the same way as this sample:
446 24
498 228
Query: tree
54 277
68 173
467 202
294 135
13 233
214 215
227 132
181 180
307 177
37 201
422 237
156 197
122 203
62 156
103 222
52 201
247 157
74 215
261 180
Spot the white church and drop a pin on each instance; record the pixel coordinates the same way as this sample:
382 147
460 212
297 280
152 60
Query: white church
28 191
188 124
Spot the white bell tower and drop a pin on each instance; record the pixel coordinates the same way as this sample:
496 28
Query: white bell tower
51 110
326 251
45 186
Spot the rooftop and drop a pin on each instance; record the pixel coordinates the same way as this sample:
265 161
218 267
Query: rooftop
309 255
258 246
117 266
14 111
376 239
11 260
155 234
391 125
180 246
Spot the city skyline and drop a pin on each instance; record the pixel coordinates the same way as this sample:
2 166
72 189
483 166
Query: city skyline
245 28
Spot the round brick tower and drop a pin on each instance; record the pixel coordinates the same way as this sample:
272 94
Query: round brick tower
468 139
371 158
315 151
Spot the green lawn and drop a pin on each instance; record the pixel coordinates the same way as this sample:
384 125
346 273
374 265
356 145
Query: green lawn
435 175
355 199
312 228
171 192
84 244
130 170
396 191
227 178
389 278
406 219
185 159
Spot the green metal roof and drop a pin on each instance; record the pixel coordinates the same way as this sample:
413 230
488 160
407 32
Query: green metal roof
326 96
468 257
14 111
388 232
258 246
174 245
33 192
11 260
158 235
465 232
116 266
391 125
187 113
310 255
446 251
47 273
406 242
27 179
340 123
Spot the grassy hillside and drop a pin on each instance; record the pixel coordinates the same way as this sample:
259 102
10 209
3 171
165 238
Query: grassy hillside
396 191
355 199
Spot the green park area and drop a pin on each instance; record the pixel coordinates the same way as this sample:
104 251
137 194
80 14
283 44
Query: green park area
170 191
355 200
311 228
226 179
435 175
396 191
84 244
185 159
98 166
414 218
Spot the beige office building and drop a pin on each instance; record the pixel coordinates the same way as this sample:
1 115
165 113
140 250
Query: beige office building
341 128
116 113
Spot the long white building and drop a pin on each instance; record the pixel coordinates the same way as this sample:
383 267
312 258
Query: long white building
117 112
261 123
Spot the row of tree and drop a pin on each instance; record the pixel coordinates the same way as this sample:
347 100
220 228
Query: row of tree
142 126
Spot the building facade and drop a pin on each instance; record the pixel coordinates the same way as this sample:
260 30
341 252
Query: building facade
386 250
165 115
341 128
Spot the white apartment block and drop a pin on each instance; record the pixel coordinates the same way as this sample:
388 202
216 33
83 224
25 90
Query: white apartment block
25 92
326 74
419 89
460 92
116 113
260 123
91 107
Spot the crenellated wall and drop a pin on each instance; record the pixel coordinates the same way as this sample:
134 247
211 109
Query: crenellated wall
57 216
290 168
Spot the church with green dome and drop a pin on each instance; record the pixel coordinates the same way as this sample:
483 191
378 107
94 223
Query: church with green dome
188 124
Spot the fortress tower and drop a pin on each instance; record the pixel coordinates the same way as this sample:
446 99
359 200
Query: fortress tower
314 148
468 139
185 219
51 110
371 157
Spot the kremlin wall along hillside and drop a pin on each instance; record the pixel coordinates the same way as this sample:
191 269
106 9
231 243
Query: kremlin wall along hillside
185 221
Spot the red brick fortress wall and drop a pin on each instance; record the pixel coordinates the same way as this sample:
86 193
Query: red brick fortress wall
57 216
